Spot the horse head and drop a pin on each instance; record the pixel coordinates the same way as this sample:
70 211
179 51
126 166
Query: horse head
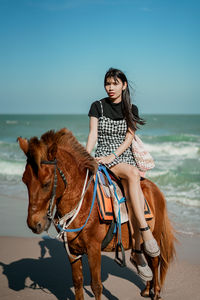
40 171
39 179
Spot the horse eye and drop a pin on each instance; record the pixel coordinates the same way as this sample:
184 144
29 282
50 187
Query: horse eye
46 185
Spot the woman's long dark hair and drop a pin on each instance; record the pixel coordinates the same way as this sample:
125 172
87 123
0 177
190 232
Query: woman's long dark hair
132 120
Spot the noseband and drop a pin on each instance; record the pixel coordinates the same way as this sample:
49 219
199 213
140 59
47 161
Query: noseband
53 194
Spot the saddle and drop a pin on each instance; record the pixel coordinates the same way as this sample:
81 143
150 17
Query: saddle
108 205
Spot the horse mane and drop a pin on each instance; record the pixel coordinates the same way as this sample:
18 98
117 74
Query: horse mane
38 149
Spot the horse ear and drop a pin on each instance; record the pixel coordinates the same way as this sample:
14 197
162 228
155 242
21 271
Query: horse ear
52 152
23 143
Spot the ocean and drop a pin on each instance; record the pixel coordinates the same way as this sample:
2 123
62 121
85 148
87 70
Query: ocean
173 141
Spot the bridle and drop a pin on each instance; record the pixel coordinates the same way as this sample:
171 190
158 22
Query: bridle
63 223
53 193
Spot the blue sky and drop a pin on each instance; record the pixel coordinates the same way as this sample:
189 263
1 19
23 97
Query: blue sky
54 54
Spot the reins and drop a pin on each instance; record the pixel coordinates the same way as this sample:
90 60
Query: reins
62 226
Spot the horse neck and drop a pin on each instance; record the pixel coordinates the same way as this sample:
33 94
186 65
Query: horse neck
75 176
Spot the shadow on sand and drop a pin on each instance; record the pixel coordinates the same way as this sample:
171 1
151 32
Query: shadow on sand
53 274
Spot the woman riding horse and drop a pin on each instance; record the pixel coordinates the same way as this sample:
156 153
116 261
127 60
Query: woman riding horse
113 122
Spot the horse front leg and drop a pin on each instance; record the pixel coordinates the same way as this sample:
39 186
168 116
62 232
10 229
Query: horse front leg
77 276
94 259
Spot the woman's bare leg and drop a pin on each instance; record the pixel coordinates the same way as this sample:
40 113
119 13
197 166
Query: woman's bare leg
131 175
137 258
135 232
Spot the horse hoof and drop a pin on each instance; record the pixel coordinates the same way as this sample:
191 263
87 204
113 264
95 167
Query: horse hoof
146 293
157 297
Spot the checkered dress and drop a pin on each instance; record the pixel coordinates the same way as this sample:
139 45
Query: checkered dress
111 134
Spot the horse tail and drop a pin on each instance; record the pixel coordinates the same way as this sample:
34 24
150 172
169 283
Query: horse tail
167 247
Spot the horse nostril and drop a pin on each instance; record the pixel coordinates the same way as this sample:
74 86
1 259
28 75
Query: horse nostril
38 227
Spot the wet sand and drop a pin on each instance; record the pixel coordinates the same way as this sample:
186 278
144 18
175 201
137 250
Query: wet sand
38 268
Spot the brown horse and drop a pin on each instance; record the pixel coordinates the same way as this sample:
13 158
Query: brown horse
72 161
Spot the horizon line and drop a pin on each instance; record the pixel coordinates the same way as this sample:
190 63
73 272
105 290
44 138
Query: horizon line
85 114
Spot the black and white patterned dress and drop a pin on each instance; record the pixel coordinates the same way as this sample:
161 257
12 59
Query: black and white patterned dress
111 134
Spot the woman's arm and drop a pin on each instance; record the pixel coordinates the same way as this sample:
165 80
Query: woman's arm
92 137
127 142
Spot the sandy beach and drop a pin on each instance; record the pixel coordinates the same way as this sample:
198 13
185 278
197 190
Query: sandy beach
38 268
35 267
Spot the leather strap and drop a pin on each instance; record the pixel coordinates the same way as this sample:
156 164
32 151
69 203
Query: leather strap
137 251
109 236
145 228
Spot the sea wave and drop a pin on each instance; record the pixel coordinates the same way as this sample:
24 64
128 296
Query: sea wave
10 151
184 201
174 149
11 145
190 138
12 122
175 181
11 168
178 186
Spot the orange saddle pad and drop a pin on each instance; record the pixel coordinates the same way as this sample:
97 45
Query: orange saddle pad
105 201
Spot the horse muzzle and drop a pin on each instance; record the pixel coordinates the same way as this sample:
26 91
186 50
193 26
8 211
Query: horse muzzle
38 225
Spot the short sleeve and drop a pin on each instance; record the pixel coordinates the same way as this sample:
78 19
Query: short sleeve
135 110
95 110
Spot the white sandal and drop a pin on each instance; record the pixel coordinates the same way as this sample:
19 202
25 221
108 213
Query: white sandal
150 247
143 270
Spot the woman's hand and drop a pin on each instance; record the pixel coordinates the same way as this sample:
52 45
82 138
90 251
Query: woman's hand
105 159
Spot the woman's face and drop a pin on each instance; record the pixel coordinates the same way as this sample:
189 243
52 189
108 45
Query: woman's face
114 88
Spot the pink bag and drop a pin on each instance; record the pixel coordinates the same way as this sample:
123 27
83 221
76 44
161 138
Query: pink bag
143 158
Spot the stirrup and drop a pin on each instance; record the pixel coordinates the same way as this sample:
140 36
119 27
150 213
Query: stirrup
118 260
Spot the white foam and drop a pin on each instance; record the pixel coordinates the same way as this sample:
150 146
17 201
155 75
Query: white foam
176 149
184 200
11 122
11 168
155 173
185 232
